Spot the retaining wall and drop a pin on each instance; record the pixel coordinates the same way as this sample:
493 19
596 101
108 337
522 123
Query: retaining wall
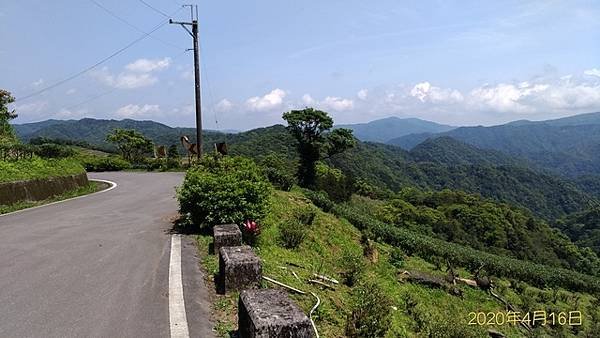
40 189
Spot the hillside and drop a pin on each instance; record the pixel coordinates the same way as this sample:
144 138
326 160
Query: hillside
94 131
386 129
435 165
569 146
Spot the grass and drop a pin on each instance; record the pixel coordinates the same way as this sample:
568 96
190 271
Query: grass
92 187
417 311
34 168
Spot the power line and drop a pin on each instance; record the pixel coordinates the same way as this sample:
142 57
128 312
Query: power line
56 84
114 15
154 9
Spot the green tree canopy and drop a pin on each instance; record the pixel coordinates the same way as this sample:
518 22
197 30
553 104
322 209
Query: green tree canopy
310 128
133 145
6 131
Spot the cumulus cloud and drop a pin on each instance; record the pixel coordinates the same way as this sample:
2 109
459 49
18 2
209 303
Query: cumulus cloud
137 74
224 106
308 100
424 92
592 72
136 111
336 103
31 108
71 91
362 94
147 65
125 80
268 102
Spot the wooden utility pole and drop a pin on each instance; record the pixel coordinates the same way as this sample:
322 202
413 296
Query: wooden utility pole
197 78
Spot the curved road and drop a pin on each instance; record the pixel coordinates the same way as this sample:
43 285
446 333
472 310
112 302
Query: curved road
98 266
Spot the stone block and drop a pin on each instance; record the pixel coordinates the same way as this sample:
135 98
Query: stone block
269 313
239 269
226 235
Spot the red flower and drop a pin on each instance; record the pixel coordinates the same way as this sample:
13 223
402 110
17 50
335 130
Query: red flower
251 227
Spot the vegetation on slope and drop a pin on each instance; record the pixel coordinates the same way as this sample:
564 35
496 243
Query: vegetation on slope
36 167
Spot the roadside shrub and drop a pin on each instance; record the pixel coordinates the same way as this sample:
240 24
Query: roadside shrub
292 233
319 199
110 163
334 183
370 317
49 150
278 172
353 266
224 190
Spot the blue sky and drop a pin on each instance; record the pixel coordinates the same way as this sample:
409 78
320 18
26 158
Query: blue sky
455 62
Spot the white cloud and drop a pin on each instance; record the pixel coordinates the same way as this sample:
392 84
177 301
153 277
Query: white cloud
270 101
425 92
147 65
70 114
125 80
336 103
592 72
224 106
33 107
71 91
136 111
308 100
38 83
362 94
506 97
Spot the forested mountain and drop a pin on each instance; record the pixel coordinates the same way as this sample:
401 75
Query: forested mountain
386 129
583 228
569 146
94 131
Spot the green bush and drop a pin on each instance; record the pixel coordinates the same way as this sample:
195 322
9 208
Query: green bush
278 171
49 150
224 190
370 317
334 183
353 266
397 258
110 163
292 233
306 215
319 199
35 167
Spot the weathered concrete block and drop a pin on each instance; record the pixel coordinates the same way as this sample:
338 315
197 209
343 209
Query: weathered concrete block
226 235
239 269
269 313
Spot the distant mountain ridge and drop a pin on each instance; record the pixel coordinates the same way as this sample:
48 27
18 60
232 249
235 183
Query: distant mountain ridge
383 130
568 146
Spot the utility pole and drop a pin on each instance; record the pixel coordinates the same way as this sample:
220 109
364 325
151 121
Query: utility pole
197 79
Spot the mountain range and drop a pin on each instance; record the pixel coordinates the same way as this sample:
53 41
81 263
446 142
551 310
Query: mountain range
389 128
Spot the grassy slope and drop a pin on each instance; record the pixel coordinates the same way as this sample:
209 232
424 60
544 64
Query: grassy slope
37 168
420 310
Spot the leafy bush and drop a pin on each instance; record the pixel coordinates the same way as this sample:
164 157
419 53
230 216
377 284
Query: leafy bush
292 233
397 258
306 215
332 181
224 190
319 199
49 150
370 317
277 169
353 266
162 164
110 163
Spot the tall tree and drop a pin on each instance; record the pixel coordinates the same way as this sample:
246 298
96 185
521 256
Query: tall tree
133 145
310 128
7 133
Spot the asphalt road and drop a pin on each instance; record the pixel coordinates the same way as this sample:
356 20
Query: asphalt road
98 266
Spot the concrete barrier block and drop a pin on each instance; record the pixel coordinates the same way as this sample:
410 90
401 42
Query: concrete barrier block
239 269
269 313
226 235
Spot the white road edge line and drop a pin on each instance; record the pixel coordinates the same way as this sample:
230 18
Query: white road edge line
177 316
112 186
